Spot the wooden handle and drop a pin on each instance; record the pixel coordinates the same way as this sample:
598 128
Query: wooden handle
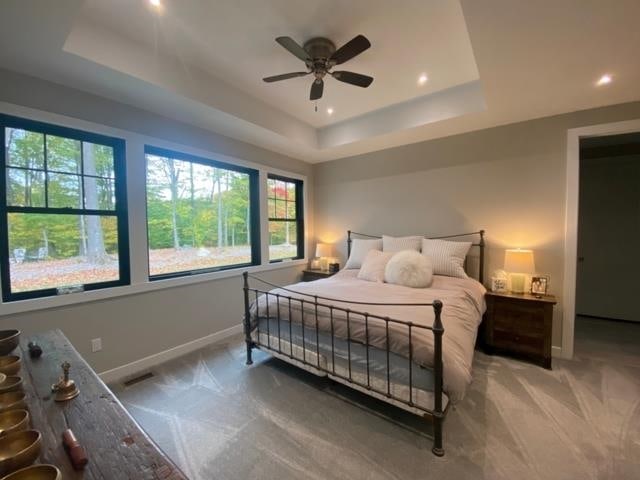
76 452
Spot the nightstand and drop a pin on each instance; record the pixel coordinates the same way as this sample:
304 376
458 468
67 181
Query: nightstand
311 274
519 325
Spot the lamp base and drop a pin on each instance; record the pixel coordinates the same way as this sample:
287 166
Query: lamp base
517 282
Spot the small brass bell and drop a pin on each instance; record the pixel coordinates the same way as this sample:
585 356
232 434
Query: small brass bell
65 389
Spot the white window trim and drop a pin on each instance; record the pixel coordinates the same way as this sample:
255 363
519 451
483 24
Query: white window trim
137 215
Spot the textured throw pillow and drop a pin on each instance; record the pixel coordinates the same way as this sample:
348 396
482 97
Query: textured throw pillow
409 268
447 258
359 249
373 266
397 244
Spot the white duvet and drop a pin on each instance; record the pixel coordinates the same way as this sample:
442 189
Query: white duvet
463 306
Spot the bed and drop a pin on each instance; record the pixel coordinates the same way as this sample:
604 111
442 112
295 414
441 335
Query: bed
385 340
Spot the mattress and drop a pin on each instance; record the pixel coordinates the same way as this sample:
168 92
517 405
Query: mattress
348 360
463 306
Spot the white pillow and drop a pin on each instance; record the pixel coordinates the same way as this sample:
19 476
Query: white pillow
397 244
409 268
447 258
373 266
359 249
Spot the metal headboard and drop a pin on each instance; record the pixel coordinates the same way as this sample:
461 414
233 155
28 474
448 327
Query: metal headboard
480 244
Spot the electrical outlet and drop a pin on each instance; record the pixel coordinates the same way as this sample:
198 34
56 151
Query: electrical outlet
96 345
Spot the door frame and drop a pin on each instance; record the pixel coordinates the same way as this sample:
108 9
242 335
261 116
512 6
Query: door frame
571 219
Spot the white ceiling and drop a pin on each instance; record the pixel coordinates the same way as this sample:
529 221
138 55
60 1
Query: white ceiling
201 61
235 42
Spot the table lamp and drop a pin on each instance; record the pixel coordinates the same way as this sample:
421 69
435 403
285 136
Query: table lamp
519 263
324 251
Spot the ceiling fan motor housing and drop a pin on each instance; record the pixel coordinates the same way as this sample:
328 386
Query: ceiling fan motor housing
320 50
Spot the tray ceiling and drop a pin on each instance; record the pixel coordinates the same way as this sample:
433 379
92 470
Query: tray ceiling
202 62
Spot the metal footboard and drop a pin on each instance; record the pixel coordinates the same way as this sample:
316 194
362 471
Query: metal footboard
311 360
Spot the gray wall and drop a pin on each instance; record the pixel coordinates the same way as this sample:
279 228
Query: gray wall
135 326
509 180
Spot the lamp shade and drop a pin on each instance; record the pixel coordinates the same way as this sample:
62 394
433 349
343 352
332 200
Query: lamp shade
519 261
324 250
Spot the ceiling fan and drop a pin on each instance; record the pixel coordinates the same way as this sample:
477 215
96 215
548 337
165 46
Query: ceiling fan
320 56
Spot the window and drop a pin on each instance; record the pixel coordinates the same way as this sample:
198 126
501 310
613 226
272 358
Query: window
64 220
286 218
202 214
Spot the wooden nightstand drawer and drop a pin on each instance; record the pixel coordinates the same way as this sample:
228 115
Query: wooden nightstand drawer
514 316
517 343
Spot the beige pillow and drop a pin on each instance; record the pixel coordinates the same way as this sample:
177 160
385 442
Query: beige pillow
446 257
373 266
359 249
397 244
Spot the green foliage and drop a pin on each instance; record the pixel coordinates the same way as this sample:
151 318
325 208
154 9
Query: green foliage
198 190
60 176
60 234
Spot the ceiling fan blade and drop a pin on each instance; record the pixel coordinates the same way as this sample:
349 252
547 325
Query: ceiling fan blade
292 46
353 78
350 49
316 90
285 76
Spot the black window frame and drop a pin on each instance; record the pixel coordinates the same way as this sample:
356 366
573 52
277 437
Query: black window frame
120 210
254 209
299 220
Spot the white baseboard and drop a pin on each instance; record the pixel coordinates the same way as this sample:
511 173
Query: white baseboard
129 369
556 352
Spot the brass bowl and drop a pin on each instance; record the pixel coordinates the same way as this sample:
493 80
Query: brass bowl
8 341
10 364
13 421
36 472
13 401
19 450
11 384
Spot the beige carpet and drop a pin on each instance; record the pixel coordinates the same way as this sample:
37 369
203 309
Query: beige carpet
219 419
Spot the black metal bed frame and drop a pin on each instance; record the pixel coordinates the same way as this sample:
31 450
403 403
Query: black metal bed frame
315 301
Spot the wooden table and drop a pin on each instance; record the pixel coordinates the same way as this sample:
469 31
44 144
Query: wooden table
116 445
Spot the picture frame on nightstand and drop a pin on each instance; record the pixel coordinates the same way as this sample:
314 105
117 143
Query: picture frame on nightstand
539 284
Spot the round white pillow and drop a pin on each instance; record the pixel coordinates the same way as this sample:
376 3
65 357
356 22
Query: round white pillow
409 268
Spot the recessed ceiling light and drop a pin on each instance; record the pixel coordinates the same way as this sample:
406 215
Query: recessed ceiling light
155 3
604 80
422 79
330 111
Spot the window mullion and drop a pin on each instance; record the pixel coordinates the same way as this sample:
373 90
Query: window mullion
264 216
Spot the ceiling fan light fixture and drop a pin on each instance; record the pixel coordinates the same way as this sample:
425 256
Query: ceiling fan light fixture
319 55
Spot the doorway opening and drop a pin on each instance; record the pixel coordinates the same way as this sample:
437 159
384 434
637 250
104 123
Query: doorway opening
608 259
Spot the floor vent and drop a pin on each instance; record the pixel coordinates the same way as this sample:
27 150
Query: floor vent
138 379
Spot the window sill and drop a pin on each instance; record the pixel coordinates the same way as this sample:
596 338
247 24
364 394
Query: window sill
43 303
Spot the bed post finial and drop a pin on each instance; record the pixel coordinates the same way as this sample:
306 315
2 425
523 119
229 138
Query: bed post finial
438 415
348 243
247 317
